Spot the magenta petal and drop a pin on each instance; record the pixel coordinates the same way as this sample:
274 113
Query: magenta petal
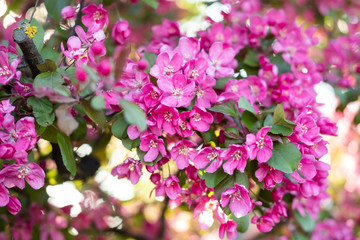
35 176
4 195
264 155
151 155
238 207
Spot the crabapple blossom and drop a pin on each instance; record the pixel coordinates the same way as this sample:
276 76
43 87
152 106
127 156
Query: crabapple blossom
260 145
238 200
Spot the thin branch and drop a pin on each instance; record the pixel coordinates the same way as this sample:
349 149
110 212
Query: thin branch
32 15
78 18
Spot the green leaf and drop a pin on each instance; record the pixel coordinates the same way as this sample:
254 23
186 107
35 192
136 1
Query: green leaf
49 79
119 127
42 110
50 134
212 179
39 36
49 53
97 116
134 114
250 121
130 144
306 222
228 182
278 129
54 8
283 66
67 152
152 3
285 157
221 82
227 108
91 73
81 131
251 59
242 223
98 102
47 66
268 120
279 118
244 104
151 59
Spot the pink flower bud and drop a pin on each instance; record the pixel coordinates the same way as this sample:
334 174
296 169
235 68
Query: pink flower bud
104 67
14 205
121 32
81 74
68 12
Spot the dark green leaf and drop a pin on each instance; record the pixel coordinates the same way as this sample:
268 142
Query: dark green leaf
279 117
130 144
244 104
42 110
306 222
47 66
98 102
242 223
227 108
285 157
49 79
283 66
152 3
119 127
96 115
221 82
278 129
81 131
49 53
268 120
212 179
67 152
250 121
54 8
251 59
134 114
151 60
50 134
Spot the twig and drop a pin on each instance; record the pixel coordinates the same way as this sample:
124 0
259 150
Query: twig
32 15
78 18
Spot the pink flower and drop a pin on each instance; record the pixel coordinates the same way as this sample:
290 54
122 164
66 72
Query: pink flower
74 46
182 152
4 195
230 228
206 156
309 188
95 16
200 120
260 145
177 92
14 205
220 59
236 156
8 72
306 129
152 95
272 176
130 168
166 64
68 12
205 94
6 107
205 210
121 32
240 202
307 169
184 128
167 118
195 69
263 223
172 188
188 48
327 127
14 175
153 146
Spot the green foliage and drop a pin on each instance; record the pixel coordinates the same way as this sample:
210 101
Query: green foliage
151 59
227 108
212 179
250 120
278 129
98 102
119 127
152 3
251 59
242 223
42 110
49 79
279 61
54 8
306 222
134 114
97 116
67 152
279 118
47 66
285 157
81 131
244 104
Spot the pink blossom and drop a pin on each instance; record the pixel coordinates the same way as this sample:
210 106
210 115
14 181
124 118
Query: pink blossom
167 118
206 156
260 145
263 223
152 95
68 12
240 202
177 92
184 128
14 175
74 48
327 127
50 227
205 94
195 69
24 89
121 32
306 129
306 167
205 209
200 120
236 156
8 72
152 146
220 58
130 168
14 205
4 195
172 187
188 47
95 16
166 65
182 153
230 228
309 188
272 176
6 107
318 149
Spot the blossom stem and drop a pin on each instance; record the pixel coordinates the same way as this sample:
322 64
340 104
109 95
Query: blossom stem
32 15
